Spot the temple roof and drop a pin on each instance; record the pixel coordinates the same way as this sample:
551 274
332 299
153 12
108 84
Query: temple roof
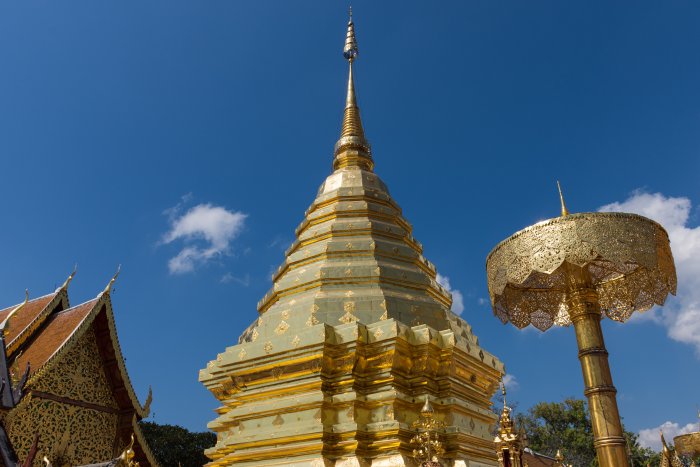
56 331
45 328
29 315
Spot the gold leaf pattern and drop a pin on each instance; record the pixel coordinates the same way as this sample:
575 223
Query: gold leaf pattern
80 375
281 328
312 321
348 318
75 435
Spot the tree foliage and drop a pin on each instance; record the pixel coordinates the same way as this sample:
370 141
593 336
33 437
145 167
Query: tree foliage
567 426
173 445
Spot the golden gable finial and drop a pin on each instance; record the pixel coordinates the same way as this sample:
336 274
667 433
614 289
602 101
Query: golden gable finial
70 278
149 400
108 289
564 211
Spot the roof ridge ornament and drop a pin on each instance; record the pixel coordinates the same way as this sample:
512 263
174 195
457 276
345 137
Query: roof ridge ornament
352 149
69 279
108 289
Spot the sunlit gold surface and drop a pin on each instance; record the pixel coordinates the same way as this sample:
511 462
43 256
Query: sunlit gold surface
688 444
354 334
573 270
627 257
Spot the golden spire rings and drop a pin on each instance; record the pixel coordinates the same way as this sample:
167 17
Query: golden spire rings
350 51
352 149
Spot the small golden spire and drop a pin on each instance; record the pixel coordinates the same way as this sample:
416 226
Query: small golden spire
108 289
503 390
564 211
352 149
427 409
4 325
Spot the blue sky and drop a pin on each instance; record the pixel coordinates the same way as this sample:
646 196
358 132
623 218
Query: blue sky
118 118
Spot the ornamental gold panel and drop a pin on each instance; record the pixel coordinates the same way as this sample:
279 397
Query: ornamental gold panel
79 375
69 435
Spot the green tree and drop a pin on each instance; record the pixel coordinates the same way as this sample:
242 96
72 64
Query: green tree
567 426
173 445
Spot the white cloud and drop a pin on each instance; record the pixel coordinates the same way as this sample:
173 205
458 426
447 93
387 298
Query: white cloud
511 382
650 437
680 316
457 297
280 242
229 278
207 232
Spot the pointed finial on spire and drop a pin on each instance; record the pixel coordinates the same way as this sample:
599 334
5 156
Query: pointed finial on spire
352 149
350 51
108 289
564 211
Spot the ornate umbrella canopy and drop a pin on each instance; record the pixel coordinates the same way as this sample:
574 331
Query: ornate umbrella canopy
688 444
627 257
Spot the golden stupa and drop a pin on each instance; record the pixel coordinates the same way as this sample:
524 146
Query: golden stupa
353 338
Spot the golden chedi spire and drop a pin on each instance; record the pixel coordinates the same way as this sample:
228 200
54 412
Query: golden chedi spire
356 290
352 149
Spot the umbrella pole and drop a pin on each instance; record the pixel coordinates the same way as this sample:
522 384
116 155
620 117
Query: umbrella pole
609 440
